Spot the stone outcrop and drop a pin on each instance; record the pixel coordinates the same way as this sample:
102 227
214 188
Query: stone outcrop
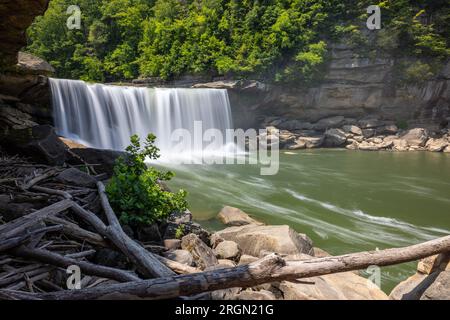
353 87
431 282
17 16
342 286
235 217
253 240
39 142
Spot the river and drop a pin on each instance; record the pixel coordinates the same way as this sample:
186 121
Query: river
345 201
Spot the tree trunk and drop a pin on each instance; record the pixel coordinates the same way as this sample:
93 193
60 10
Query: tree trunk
269 269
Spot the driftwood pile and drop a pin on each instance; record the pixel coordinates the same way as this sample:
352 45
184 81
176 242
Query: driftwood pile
38 247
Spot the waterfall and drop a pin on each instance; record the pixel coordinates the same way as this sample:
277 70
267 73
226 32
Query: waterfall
105 117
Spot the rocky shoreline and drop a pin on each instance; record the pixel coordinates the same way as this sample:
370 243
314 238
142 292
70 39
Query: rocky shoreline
366 134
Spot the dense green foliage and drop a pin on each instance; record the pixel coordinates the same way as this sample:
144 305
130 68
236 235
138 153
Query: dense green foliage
279 40
135 190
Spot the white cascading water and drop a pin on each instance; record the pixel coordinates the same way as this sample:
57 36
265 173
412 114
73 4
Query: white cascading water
105 117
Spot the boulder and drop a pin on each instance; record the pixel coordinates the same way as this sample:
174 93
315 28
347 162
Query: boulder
400 145
235 217
298 145
35 65
367 146
335 138
226 263
246 259
447 149
75 177
388 129
40 143
369 123
368 133
228 250
311 142
249 295
431 282
436 145
342 286
280 239
181 256
329 123
172 244
416 137
203 255
105 159
352 129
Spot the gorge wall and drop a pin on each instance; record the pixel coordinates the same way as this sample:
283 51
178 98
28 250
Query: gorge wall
353 87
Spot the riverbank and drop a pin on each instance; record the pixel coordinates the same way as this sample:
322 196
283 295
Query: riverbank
366 134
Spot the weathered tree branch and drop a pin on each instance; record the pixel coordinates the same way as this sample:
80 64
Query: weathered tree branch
269 269
64 262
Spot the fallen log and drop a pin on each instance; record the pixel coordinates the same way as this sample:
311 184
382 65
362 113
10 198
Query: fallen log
272 268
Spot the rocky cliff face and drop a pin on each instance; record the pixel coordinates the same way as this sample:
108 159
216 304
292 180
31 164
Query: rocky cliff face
17 16
353 87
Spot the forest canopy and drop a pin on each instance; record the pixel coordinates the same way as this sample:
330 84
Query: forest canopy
278 41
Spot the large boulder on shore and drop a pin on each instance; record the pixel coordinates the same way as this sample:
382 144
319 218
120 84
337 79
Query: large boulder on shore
416 137
39 143
431 282
280 239
228 250
341 286
235 217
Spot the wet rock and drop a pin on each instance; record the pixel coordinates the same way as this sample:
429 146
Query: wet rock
281 239
76 177
235 217
228 250
298 145
335 138
181 256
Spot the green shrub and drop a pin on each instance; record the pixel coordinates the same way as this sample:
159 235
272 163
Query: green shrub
135 191
179 233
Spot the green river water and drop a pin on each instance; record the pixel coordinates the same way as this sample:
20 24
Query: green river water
345 201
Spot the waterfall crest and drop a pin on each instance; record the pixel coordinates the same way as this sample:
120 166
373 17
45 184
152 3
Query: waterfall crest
105 117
